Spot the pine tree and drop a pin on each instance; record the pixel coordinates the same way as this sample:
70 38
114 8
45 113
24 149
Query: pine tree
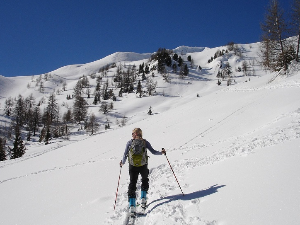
19 111
185 70
67 117
95 102
79 109
274 33
9 103
180 61
139 89
151 86
41 87
227 70
52 108
296 24
19 148
2 150
174 67
92 125
48 135
245 67
175 57
104 107
78 88
147 70
150 111
36 119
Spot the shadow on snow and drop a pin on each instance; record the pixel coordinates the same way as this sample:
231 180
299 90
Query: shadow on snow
187 197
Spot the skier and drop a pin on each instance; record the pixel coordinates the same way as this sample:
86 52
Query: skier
136 151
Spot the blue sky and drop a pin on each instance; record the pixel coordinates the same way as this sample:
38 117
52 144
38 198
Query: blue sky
38 36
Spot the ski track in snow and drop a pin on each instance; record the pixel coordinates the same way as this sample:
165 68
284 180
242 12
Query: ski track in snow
166 209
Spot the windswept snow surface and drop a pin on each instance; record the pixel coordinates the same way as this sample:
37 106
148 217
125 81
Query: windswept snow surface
235 151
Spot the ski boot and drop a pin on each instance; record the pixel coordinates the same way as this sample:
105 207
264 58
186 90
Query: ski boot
132 211
143 201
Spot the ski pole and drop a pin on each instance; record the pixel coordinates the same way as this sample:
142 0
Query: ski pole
173 173
118 188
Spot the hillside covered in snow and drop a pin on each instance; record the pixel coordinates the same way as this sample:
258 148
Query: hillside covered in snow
232 141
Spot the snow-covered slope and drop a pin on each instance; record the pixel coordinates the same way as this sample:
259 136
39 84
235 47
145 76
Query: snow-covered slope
234 149
5 84
76 71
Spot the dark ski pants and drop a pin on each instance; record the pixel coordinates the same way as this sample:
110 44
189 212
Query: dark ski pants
134 174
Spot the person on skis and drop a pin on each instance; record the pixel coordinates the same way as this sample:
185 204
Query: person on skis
136 152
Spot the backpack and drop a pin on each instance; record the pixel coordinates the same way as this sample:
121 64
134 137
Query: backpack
137 155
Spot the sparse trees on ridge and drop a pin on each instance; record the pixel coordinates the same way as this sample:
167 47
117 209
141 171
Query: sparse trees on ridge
276 51
296 24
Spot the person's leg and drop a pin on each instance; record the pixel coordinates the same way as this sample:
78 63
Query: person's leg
145 179
134 173
145 186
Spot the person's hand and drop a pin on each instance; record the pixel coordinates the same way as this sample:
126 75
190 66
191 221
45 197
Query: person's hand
121 164
163 151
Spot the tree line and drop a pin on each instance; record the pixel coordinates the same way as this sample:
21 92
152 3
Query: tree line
277 49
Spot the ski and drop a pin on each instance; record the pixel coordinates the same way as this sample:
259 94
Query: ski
131 216
141 210
142 206
129 220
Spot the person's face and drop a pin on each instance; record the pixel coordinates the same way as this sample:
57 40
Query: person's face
134 135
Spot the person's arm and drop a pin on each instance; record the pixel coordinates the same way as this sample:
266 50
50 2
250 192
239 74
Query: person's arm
154 152
123 161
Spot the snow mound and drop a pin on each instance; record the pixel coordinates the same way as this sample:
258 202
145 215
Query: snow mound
5 84
185 49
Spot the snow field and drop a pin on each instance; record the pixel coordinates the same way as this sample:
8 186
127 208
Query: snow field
234 150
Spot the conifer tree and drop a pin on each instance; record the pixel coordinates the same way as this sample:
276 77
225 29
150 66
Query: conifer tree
104 107
78 88
151 86
19 111
180 61
67 117
175 57
36 119
174 67
52 108
139 89
274 33
147 70
79 109
19 148
150 111
9 103
185 70
92 125
296 24
95 102
227 70
2 150
48 135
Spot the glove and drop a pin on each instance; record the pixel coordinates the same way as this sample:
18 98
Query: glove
163 151
121 164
